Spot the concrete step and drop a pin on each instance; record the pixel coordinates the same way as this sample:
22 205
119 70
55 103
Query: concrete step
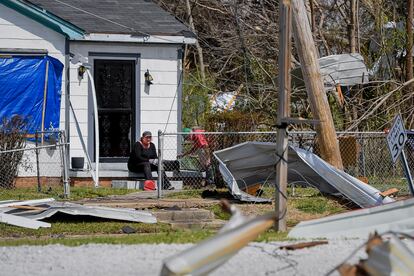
121 170
197 225
183 215
139 184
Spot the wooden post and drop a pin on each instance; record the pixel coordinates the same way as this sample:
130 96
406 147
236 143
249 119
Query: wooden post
285 26
314 85
352 26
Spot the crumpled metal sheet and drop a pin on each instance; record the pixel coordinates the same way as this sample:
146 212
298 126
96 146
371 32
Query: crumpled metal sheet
344 70
22 221
396 216
47 208
352 188
392 257
253 163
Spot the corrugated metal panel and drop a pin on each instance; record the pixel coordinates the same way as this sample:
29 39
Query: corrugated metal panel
252 163
345 70
27 213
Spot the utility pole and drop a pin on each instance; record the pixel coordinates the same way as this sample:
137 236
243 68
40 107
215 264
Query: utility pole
314 85
285 26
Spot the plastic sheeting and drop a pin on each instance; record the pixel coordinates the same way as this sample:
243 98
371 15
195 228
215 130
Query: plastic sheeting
22 90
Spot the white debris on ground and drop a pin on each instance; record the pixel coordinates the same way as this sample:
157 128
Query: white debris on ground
94 259
27 213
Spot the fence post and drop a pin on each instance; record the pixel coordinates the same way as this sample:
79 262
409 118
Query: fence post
39 187
66 187
160 161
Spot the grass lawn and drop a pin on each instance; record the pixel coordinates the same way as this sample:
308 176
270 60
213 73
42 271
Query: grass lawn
76 193
72 231
384 184
178 236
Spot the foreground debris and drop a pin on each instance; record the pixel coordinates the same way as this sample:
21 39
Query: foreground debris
208 255
28 213
396 216
389 257
248 166
302 245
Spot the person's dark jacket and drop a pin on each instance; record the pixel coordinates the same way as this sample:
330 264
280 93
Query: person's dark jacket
140 155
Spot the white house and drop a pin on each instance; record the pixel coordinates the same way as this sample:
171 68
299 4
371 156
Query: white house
121 40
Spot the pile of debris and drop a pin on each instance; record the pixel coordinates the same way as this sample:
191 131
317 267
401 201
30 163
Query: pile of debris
29 213
386 256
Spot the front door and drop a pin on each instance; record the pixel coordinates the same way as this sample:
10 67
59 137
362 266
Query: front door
115 91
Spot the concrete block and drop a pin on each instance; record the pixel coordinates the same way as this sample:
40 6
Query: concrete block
186 215
126 184
197 225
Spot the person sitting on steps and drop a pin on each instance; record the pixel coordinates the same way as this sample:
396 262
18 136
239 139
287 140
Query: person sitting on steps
144 159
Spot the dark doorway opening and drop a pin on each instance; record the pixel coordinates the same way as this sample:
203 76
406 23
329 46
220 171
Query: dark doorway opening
115 91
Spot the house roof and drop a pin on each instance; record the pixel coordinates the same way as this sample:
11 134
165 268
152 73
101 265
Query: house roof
51 21
133 17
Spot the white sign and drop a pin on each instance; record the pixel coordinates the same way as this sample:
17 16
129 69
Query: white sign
396 138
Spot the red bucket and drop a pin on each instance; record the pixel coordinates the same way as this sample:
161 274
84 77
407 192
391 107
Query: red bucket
149 185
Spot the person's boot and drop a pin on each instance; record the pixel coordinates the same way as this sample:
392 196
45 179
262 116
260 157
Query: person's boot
166 185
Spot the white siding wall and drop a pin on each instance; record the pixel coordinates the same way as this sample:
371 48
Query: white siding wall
19 31
157 102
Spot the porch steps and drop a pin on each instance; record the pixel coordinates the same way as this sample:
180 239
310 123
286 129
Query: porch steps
122 172
139 184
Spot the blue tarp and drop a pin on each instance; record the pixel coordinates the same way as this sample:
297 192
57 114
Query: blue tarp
22 84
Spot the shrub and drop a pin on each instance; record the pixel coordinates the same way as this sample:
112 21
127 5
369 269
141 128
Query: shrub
12 136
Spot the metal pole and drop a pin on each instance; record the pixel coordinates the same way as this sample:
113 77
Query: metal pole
66 187
285 25
407 172
39 187
44 100
96 123
160 157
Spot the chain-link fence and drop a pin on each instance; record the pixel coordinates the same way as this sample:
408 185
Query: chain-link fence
42 156
365 155
194 151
